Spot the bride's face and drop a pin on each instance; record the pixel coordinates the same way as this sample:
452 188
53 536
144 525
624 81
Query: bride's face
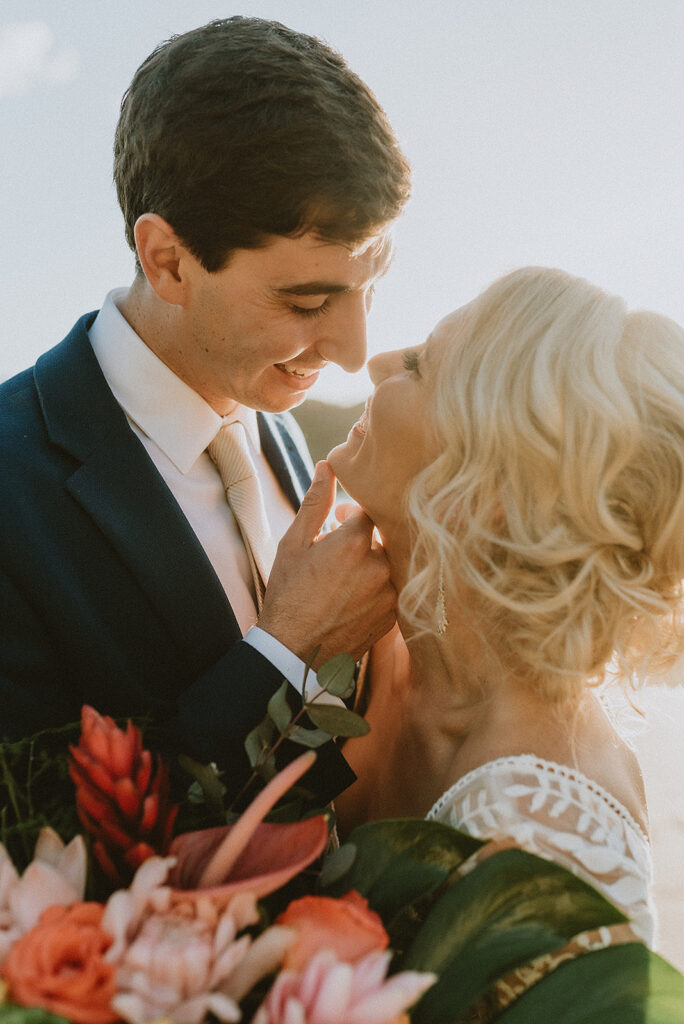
392 441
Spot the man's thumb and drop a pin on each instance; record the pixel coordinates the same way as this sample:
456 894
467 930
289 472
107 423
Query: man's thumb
316 505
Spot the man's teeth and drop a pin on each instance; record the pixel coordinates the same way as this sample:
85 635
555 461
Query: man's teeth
294 372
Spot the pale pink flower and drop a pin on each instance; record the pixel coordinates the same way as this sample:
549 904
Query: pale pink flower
176 936
55 877
183 959
329 991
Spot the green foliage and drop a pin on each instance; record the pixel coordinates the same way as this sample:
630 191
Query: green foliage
310 738
621 985
336 676
513 908
337 721
399 862
258 746
11 1014
207 788
278 709
475 926
36 791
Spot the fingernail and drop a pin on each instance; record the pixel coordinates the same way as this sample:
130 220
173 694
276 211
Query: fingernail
319 472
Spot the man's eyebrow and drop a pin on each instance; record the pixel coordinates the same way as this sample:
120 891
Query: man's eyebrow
314 288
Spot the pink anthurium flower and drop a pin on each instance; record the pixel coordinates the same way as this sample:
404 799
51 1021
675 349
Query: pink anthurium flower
251 855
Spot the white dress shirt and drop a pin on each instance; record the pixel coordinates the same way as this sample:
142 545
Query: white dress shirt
175 425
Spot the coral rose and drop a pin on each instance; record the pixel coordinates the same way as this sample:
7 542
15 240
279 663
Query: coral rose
346 925
60 965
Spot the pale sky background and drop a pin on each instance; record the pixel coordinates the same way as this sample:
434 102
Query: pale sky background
540 131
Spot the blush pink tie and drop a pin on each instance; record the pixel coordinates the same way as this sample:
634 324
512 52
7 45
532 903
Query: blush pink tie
230 452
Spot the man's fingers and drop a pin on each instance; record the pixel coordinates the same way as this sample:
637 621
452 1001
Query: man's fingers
356 520
344 510
315 507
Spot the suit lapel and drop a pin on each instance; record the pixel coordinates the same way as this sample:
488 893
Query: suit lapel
118 485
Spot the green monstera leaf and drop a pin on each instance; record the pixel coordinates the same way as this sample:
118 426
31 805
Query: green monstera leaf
511 909
620 985
475 926
394 863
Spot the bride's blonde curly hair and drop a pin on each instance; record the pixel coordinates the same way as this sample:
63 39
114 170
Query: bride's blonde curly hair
558 496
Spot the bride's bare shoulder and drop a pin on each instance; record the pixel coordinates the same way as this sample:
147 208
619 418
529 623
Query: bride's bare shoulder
585 740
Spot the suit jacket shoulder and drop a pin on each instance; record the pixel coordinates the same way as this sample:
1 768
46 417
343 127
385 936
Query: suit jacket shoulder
106 595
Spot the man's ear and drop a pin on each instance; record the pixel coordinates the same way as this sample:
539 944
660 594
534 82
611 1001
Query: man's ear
162 256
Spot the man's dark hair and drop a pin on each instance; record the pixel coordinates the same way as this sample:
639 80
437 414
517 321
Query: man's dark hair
245 128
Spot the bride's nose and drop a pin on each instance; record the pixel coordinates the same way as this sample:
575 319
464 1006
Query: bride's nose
384 365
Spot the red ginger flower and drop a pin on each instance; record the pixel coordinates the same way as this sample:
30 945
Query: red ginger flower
122 797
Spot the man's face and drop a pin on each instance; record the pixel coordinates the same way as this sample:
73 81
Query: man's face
259 331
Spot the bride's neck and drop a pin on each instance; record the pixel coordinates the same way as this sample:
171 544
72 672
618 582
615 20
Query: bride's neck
438 663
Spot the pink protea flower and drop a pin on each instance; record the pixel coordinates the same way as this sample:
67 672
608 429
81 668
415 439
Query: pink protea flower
184 959
55 876
176 943
330 991
122 797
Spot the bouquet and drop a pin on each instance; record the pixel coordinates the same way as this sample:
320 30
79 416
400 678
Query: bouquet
124 912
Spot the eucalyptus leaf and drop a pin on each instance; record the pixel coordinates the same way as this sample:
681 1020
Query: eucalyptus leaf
259 740
278 708
400 861
620 985
512 908
337 864
207 777
337 675
309 737
337 721
267 769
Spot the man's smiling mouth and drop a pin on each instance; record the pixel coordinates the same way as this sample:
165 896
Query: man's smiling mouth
297 371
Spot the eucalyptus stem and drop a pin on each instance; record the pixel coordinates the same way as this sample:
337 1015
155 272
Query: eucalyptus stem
284 735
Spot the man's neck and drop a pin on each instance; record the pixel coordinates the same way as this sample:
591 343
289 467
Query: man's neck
161 327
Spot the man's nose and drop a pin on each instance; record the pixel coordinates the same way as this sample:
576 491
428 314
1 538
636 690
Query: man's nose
344 337
385 364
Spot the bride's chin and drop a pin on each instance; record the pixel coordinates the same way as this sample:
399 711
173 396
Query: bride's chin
337 461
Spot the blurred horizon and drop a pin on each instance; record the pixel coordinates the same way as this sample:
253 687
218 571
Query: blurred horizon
539 133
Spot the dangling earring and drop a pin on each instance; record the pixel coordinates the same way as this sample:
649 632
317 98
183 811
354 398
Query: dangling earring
442 621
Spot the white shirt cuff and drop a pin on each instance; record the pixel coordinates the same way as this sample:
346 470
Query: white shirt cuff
289 664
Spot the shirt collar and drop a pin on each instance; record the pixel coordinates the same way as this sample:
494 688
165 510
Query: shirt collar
161 405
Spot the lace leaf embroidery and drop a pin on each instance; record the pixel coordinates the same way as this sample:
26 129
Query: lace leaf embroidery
560 814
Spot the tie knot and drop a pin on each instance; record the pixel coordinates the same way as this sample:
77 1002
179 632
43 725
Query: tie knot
230 452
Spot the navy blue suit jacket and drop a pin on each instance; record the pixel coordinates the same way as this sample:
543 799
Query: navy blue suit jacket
106 595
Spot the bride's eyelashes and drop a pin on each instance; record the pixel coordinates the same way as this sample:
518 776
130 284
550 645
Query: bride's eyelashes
410 360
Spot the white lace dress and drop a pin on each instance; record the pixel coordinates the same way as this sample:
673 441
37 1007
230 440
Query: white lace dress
558 813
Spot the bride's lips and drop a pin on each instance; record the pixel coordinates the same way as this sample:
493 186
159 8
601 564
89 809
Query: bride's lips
361 425
296 378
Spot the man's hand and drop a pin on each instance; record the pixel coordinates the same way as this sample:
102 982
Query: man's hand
334 590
